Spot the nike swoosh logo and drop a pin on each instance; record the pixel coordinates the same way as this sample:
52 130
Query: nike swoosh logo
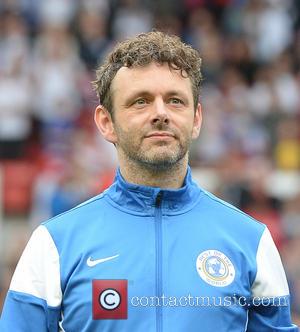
90 262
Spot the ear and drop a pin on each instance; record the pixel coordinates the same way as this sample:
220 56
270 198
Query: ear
105 124
197 122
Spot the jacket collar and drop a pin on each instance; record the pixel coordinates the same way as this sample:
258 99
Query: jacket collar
142 199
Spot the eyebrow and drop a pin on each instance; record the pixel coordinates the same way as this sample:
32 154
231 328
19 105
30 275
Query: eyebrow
145 93
177 93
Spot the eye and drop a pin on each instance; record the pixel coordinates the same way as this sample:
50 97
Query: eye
140 101
175 101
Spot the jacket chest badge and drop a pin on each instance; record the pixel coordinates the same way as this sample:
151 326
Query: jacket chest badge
215 268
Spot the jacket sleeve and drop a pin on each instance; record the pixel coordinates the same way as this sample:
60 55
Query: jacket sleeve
34 297
270 303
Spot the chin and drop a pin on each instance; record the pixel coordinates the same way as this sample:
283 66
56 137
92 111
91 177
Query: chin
161 162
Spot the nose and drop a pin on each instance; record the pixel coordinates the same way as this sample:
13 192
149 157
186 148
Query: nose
160 113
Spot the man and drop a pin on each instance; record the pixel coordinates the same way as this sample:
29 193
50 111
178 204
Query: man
154 252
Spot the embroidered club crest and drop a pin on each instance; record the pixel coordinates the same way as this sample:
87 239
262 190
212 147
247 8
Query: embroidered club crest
215 268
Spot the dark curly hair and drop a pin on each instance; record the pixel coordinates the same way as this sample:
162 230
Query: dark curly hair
143 49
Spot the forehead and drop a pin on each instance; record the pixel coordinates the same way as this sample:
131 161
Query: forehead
155 78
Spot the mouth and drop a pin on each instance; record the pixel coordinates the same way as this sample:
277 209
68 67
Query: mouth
161 135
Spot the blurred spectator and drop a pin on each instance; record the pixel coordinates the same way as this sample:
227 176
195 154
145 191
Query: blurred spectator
264 208
130 19
202 33
57 69
291 216
15 88
268 28
92 37
287 147
56 12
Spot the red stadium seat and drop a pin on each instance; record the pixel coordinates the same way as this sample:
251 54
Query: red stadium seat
17 181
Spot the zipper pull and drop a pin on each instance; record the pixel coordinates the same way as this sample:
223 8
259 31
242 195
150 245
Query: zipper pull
158 199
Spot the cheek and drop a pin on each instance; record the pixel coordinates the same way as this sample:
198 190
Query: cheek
133 121
126 134
185 124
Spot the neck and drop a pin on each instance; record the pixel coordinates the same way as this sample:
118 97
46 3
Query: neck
172 178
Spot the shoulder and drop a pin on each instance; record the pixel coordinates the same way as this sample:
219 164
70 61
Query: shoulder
230 216
77 216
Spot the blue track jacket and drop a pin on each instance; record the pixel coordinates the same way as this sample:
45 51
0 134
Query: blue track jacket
191 263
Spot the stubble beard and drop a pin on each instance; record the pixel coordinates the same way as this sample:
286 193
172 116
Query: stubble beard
152 159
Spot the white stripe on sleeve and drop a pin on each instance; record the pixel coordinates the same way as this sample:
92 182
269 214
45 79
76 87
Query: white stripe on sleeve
270 279
38 270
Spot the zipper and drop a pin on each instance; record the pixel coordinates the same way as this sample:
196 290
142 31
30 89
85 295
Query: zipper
158 247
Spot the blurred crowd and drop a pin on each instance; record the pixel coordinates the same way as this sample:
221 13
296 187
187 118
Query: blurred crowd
52 158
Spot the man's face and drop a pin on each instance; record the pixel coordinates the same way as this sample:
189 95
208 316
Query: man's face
154 117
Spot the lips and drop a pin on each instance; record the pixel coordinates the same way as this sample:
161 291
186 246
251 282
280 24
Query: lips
161 134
